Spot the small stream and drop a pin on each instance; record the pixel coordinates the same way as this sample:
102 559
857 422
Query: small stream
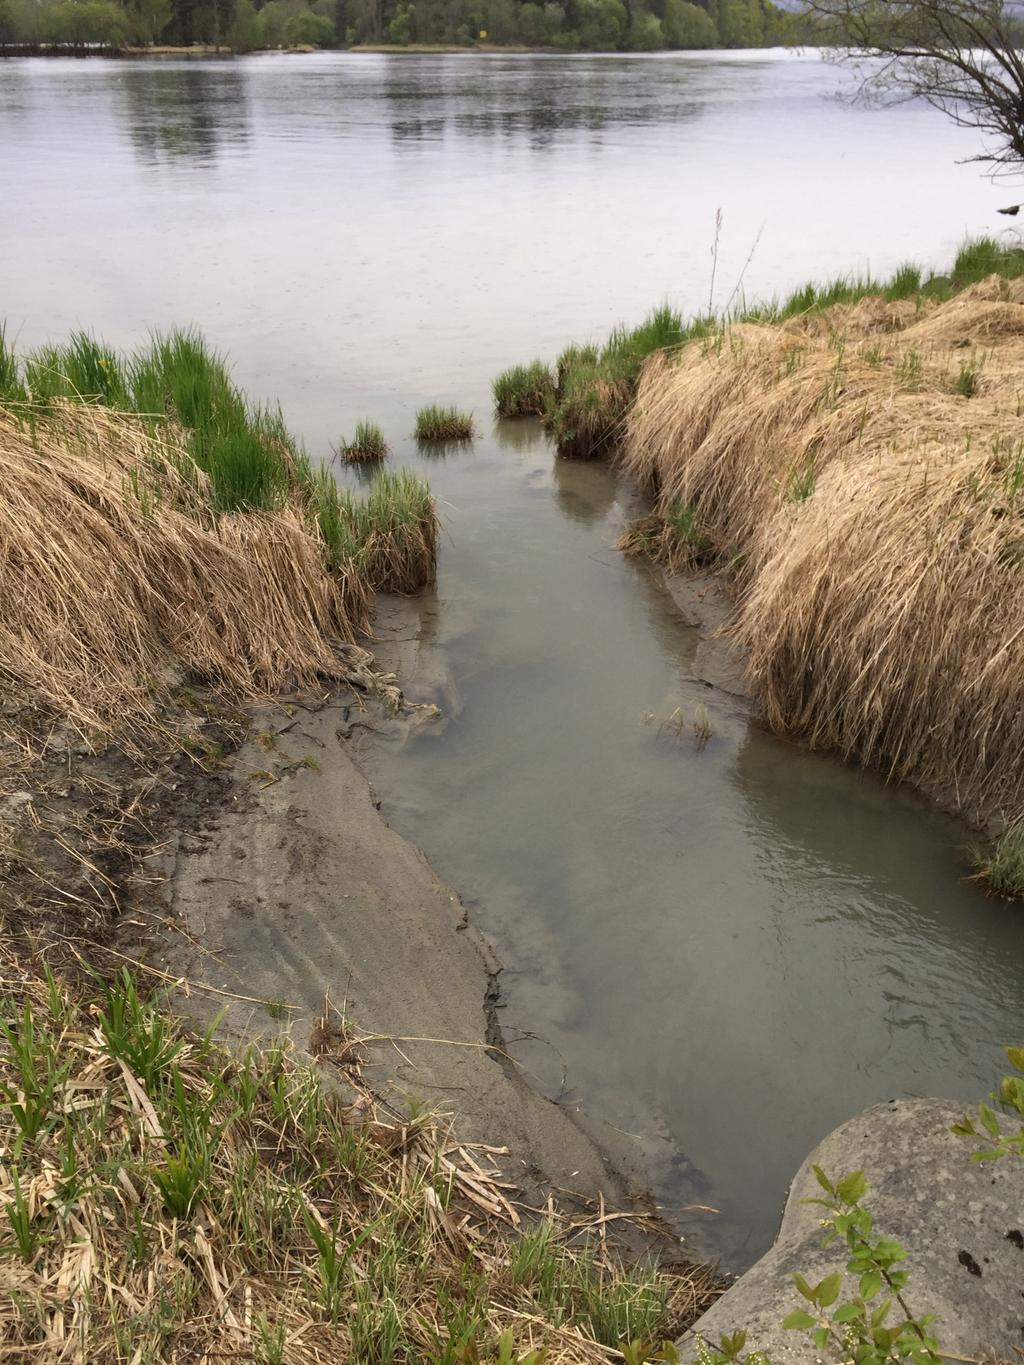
722 950
716 954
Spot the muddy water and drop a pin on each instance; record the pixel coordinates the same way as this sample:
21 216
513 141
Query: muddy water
720 951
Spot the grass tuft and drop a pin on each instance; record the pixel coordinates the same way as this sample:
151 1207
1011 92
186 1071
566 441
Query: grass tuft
369 444
435 423
396 529
12 390
1001 868
524 390
594 388
208 1203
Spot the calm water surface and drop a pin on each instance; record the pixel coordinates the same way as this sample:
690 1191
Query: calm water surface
724 952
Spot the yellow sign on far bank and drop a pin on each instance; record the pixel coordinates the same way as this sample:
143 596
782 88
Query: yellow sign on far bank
483 33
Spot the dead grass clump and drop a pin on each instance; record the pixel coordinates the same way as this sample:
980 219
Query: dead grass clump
166 1199
113 568
874 524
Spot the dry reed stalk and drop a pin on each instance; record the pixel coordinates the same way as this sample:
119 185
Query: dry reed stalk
112 571
873 516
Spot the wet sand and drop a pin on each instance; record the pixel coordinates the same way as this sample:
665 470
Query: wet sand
297 890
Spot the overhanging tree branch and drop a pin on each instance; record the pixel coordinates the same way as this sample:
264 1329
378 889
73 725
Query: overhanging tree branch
961 56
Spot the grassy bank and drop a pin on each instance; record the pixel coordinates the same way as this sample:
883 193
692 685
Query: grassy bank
850 456
596 384
165 1198
855 466
155 518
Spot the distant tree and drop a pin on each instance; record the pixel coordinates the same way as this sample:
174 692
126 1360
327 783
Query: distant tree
554 19
962 56
531 24
688 26
246 31
306 29
85 23
645 32
601 24
400 27
149 19
271 18
501 21
741 23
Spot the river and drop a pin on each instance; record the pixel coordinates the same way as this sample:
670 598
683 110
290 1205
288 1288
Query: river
724 951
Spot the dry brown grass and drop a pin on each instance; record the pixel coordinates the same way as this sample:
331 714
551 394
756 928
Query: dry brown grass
113 570
861 474
163 1199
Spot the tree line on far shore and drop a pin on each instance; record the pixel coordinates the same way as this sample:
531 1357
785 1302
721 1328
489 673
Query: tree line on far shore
251 25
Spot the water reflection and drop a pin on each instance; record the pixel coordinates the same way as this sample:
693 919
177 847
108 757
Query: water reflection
584 491
538 100
186 111
521 433
433 451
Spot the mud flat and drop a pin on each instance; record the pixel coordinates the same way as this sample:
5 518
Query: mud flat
297 891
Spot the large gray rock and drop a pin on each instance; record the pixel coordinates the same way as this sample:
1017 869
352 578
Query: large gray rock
961 1223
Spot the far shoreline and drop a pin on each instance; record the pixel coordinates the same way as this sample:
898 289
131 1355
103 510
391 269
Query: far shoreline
202 50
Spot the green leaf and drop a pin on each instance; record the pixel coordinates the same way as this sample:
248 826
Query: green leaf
823 1180
804 1288
828 1291
989 1154
964 1128
870 1284
849 1312
988 1120
820 1338
797 1320
887 1249
1016 1057
853 1187
881 1313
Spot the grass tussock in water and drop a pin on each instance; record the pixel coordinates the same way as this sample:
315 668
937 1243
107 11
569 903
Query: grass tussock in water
154 518
873 521
167 1199
1001 867
524 390
594 387
396 529
368 444
435 423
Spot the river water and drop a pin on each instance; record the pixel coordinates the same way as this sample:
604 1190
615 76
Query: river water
722 951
